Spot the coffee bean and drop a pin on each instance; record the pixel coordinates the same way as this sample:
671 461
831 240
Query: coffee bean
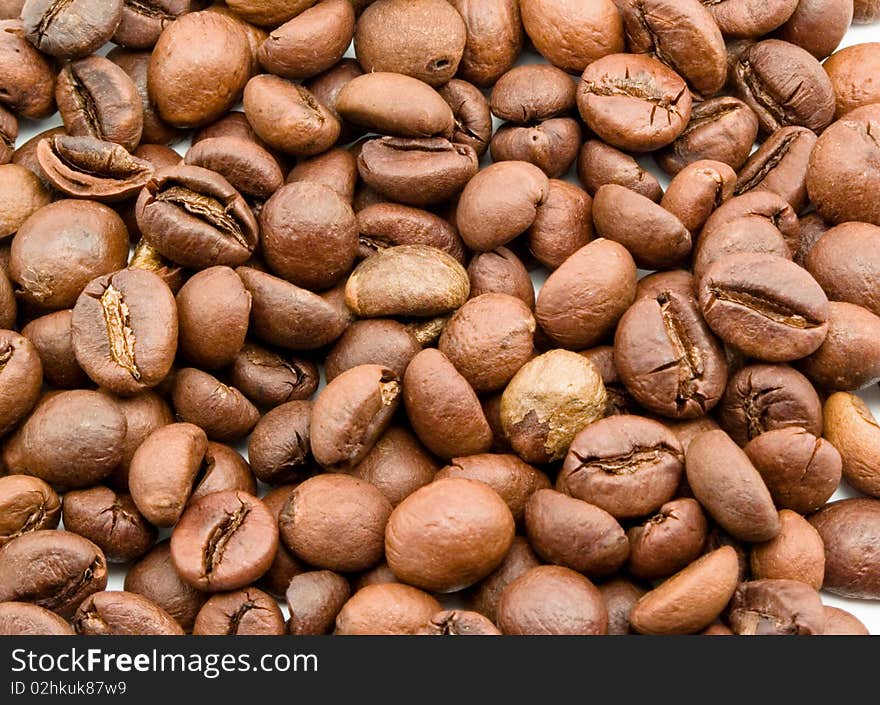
849 529
143 22
842 623
500 271
26 504
620 596
69 30
599 164
279 449
697 190
865 11
780 166
326 87
123 614
562 225
745 235
314 600
23 195
843 276
667 542
796 553
8 135
532 93
459 623
751 18
848 70
487 593
28 84
494 38
818 27
222 411
776 607
25 619
284 565
269 379
551 145
243 612
21 379
851 428
385 225
389 608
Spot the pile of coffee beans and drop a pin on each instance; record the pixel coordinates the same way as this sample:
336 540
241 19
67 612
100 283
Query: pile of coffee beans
301 358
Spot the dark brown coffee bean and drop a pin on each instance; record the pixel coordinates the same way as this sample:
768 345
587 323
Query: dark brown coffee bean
519 560
21 379
852 429
761 398
268 378
620 97
691 599
459 623
473 121
500 271
729 487
849 530
627 465
23 195
578 607
314 600
279 449
388 608
576 534
776 608
654 236
8 134
667 542
780 165
222 411
309 43
494 38
28 84
26 504
336 168
684 372
111 520
751 18
722 129
620 596
532 93
768 307
25 619
418 172
599 164
143 22
249 612
123 614
562 225
223 469
800 470
767 205
326 87
155 577
817 26
224 541
378 341
746 235
796 553
674 280
843 276
69 30
284 565
285 315
552 145
56 570
697 190
385 225
335 522
839 622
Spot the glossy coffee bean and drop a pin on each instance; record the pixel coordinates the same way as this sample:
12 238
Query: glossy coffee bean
269 379
563 224
222 411
842 276
780 165
70 30
26 504
599 164
697 190
32 93
121 613
386 225
493 40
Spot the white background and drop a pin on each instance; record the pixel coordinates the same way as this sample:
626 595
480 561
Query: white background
868 611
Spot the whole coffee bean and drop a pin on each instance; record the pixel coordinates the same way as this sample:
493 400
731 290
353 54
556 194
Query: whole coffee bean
767 205
336 522
673 280
111 520
722 129
600 164
213 310
335 168
751 18
23 195
618 399
746 235
800 470
397 464
164 469
385 225
852 429
691 599
21 379
26 504
407 280
248 612
155 577
351 413
578 607
459 623
494 38
849 530
817 25
28 83
56 570
839 188
269 13
697 190
842 623
72 29
232 124
532 93
443 408
499 203
780 165
418 172
61 247
551 145
278 448
269 379
123 614
487 593
813 227
796 553
309 43
684 372
575 534
667 542
8 134
620 596
142 23
222 411
249 168
314 600
73 439
308 235
763 78
285 565
548 401
473 121
448 535
125 330
25 619
198 49
196 218
572 35
283 314
849 357
627 465
513 480
223 469
849 71
500 271
843 276
388 608
376 341
776 607
683 35
488 339
767 307
224 541
729 487
51 336
620 95
326 86
656 238
420 38
562 225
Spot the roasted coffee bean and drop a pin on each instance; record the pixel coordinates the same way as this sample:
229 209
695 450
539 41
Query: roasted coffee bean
385 225
284 565
839 622
23 195
775 211
813 227
28 83
620 596
336 522
26 504
746 235
459 623
143 22
865 11
627 465
750 18
817 25
729 487
69 30
776 607
500 271
600 164
315 599
248 612
378 341
123 614
388 608
326 87
532 93
494 38
335 168
278 448
21 379
562 225
552 145
697 190
780 166
8 135
51 336
849 531
56 570
796 553
843 276
667 542
618 400
849 357
222 411
634 102
851 428
146 257
849 70
578 607
269 379
487 593
674 280
25 619
397 464
223 469
473 121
